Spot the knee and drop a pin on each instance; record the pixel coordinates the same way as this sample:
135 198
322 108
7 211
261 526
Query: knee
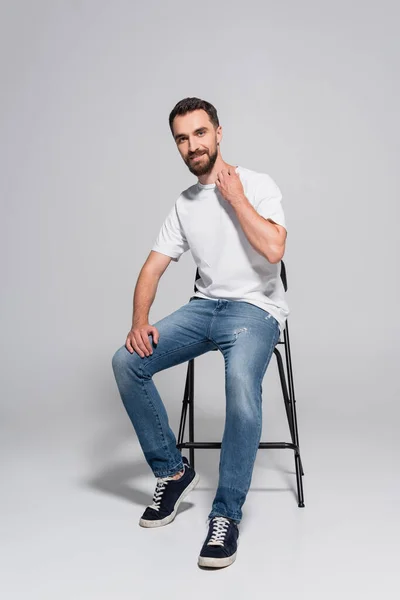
240 382
126 363
243 396
120 359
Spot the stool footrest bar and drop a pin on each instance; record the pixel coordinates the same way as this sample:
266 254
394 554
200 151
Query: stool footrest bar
216 445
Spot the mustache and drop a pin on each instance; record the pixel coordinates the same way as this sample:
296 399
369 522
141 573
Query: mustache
195 155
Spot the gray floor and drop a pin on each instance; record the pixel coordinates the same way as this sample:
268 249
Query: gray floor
70 526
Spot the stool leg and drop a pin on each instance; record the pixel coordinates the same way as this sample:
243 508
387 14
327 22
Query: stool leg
285 392
300 494
185 403
292 399
191 409
288 404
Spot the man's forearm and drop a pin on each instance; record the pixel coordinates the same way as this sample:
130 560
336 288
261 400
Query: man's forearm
145 291
263 235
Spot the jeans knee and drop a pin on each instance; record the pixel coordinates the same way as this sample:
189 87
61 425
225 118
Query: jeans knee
119 360
243 398
126 365
241 384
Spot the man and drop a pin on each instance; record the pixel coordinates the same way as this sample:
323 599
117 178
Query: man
233 223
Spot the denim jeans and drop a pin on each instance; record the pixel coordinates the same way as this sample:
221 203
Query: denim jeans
246 335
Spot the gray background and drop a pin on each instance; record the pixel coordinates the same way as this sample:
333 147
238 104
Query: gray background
306 92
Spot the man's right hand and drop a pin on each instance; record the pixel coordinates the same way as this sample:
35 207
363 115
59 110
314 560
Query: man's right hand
138 339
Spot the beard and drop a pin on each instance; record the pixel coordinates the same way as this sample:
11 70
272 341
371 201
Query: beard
204 165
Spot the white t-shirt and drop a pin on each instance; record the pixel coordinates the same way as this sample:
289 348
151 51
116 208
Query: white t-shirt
203 222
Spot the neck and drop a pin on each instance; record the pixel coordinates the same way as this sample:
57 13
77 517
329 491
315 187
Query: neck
219 165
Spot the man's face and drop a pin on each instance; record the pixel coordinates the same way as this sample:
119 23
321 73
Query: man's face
197 139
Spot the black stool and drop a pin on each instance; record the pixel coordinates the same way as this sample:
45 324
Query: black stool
288 397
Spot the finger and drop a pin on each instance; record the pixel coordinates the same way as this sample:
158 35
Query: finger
142 345
138 348
155 335
128 345
146 342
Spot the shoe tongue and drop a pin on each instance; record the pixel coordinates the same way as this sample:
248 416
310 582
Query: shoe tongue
216 522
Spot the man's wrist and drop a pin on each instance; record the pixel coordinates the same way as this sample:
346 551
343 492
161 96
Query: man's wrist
139 323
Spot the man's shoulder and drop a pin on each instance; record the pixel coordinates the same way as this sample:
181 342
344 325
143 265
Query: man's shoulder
259 182
188 193
256 175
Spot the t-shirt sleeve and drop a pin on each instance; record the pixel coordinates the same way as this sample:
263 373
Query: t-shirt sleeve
171 239
269 201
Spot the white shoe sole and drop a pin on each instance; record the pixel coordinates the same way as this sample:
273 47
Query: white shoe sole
208 561
171 517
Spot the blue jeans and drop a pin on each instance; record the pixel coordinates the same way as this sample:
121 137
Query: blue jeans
246 335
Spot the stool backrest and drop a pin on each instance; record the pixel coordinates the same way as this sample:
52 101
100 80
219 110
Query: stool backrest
283 276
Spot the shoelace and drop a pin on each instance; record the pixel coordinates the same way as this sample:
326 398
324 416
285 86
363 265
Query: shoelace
220 527
159 491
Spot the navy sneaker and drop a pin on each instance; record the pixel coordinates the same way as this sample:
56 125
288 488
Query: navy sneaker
220 546
168 494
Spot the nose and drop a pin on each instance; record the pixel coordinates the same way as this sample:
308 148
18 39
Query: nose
193 147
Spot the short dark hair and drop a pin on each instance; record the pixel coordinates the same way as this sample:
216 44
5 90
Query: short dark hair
189 105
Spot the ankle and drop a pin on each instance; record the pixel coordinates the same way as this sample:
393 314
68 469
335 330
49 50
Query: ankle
178 475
